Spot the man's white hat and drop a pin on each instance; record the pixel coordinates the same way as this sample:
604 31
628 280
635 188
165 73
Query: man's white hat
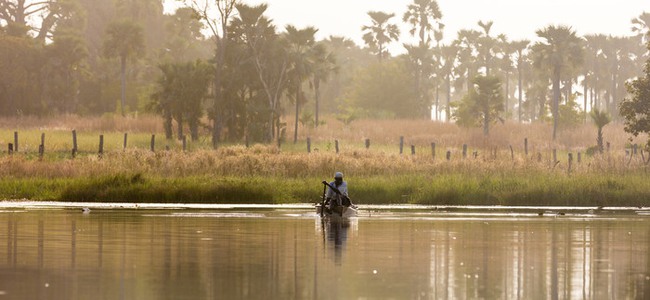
338 175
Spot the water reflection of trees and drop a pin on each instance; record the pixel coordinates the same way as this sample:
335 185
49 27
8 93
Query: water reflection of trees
134 256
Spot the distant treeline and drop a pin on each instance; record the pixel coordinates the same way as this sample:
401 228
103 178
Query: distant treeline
248 77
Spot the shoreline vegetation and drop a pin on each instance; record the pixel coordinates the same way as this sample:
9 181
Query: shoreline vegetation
500 174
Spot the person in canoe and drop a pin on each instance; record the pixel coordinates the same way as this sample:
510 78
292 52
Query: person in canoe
336 201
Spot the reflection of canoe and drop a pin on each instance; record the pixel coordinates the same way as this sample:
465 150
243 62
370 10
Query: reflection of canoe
346 212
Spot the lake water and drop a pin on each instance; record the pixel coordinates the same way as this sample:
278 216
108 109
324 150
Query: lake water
289 253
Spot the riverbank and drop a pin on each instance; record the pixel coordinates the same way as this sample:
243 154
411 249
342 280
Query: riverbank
264 175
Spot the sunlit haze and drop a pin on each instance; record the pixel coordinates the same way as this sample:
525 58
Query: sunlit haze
518 19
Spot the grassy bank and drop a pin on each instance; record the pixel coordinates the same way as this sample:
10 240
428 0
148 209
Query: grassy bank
263 174
447 189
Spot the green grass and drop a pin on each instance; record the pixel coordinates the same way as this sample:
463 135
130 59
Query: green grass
441 189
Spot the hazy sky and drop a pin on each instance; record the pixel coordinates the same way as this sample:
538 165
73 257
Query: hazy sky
518 19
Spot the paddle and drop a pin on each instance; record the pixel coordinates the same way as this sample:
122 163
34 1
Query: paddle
346 200
322 201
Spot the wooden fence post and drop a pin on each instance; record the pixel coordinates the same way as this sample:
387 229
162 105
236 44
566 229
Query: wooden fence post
526 146
412 149
15 141
512 153
126 135
401 144
570 161
74 143
11 149
579 157
41 147
367 143
464 151
184 143
101 145
336 146
308 145
153 143
448 155
433 150
554 155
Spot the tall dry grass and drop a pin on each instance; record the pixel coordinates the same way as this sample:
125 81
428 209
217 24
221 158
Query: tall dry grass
384 134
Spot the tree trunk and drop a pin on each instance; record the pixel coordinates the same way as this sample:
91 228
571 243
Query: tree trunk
123 74
556 100
584 108
316 99
447 110
218 95
519 83
295 128
179 123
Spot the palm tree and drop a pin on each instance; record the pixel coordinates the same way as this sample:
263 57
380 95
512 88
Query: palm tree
561 50
421 14
486 44
449 55
641 26
324 65
125 40
519 47
380 33
300 47
600 119
467 41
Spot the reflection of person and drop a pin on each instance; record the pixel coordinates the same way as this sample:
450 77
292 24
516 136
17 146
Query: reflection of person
337 232
333 198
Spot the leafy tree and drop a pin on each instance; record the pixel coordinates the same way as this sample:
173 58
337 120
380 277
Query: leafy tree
65 68
217 14
558 52
380 32
124 40
600 119
636 109
382 96
21 16
20 89
182 88
268 53
483 105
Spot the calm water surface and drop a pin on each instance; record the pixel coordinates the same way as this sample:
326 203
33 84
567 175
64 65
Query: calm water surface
292 254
